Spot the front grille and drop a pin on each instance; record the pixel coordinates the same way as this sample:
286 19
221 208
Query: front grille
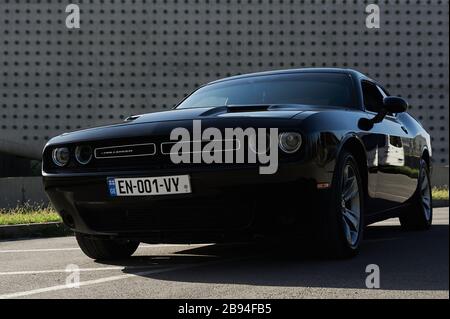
179 215
121 151
137 155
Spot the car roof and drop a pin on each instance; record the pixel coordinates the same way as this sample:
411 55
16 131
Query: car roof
352 72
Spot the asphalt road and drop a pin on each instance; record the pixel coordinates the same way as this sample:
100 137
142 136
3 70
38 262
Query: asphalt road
412 265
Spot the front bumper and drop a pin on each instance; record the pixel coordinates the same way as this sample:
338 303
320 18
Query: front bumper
224 203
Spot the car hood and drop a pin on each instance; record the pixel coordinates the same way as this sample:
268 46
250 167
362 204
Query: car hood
160 122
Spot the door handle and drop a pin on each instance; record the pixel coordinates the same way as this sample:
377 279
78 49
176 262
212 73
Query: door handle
404 129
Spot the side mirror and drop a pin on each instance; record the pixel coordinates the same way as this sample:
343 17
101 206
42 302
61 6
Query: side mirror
391 104
395 104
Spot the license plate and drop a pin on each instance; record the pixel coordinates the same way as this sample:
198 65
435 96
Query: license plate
149 186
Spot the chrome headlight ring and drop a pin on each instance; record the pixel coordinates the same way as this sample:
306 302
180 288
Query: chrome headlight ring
290 142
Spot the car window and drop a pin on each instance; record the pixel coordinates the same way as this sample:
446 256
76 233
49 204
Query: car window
321 89
373 98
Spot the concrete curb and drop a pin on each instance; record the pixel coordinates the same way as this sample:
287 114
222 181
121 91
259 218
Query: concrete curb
33 230
440 203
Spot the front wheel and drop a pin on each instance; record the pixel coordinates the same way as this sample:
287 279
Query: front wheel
343 226
420 215
106 249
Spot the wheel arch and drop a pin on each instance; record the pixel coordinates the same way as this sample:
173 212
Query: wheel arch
353 144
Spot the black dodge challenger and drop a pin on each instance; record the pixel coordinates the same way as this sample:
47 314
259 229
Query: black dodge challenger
347 155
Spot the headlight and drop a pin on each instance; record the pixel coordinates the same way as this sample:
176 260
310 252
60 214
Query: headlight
83 154
61 156
290 142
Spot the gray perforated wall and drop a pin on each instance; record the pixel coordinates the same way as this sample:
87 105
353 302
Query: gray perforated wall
136 56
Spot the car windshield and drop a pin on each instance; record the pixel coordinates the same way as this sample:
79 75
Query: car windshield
322 89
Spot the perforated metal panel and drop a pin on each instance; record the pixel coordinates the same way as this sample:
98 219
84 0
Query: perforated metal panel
137 56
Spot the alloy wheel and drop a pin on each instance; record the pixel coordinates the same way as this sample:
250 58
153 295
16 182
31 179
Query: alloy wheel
425 194
351 205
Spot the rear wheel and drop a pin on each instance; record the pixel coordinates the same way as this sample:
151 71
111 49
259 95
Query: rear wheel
344 221
420 215
106 249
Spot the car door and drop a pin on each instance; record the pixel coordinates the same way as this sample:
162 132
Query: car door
396 181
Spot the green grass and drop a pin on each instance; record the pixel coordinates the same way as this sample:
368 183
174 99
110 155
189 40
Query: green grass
28 214
440 193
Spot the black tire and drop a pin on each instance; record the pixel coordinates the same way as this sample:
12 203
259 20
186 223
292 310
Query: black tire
419 216
337 240
106 249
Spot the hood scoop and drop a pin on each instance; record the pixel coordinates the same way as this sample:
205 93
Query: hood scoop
247 108
264 107
257 110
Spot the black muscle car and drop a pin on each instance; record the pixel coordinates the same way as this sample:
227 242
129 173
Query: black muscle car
347 155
